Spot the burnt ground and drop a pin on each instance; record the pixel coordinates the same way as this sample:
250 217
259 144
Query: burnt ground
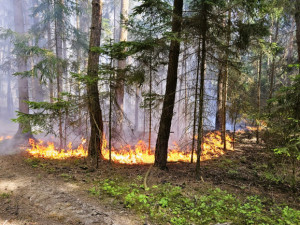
55 192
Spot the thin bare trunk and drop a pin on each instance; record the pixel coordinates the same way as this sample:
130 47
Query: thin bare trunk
297 20
150 103
224 97
201 94
219 114
258 96
196 100
59 55
272 75
136 110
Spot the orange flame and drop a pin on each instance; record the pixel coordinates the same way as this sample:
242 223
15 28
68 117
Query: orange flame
49 151
139 154
5 138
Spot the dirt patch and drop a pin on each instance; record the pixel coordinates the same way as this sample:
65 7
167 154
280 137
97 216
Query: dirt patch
29 196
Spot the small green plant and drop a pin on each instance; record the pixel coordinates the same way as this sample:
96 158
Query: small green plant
34 162
232 172
66 176
94 191
5 195
271 177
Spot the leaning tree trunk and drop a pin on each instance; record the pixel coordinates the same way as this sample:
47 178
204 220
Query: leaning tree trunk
201 94
161 152
95 113
21 65
119 95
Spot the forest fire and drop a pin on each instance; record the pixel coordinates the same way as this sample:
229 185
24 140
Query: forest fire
49 151
2 138
139 154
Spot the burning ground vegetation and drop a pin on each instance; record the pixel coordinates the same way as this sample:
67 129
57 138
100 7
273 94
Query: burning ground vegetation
138 154
2 138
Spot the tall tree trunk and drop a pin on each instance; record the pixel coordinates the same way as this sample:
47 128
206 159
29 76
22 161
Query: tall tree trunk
9 99
225 80
297 20
21 62
121 65
95 113
59 55
219 114
179 110
49 46
37 85
161 152
136 109
201 94
258 96
196 100
272 75
150 103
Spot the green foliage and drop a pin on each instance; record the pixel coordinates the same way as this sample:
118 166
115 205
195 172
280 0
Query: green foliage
34 162
292 149
166 203
45 115
283 133
5 195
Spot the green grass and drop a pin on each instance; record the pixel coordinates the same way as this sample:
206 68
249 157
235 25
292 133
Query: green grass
170 204
5 195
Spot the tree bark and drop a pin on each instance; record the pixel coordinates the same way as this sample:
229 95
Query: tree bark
49 46
225 80
258 96
136 110
161 152
95 113
59 55
22 82
196 100
201 94
297 20
219 115
121 65
272 75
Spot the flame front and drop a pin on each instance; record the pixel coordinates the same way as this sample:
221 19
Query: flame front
140 154
5 138
49 151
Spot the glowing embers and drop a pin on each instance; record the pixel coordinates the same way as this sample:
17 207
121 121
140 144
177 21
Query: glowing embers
139 154
2 138
49 151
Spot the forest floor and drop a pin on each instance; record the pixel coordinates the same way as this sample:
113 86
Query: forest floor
29 195
38 191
